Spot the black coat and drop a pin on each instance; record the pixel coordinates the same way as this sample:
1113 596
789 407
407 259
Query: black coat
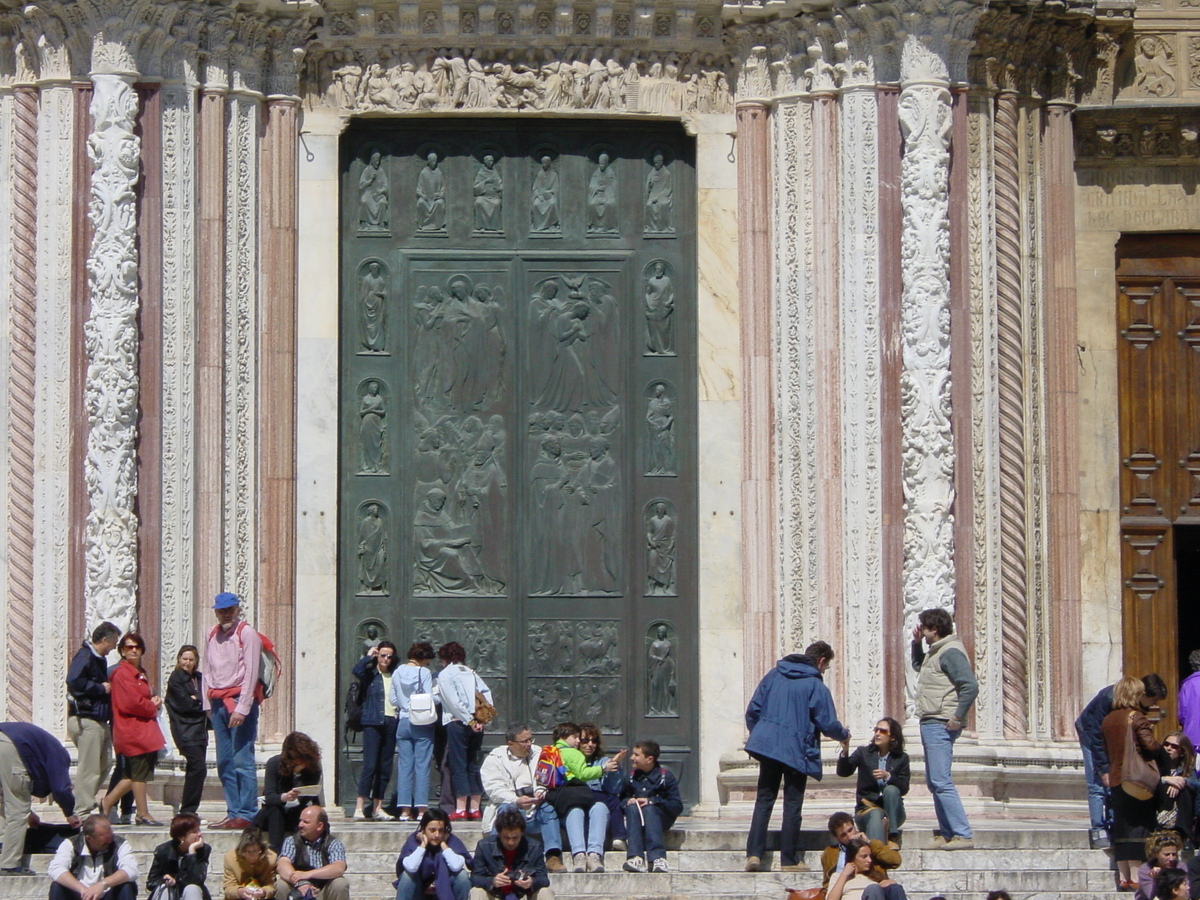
185 868
865 760
189 723
275 784
659 786
489 862
85 686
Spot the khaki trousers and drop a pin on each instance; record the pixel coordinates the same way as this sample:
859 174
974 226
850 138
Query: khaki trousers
93 742
15 805
338 889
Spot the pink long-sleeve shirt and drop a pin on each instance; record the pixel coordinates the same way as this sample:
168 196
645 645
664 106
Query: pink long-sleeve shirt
232 660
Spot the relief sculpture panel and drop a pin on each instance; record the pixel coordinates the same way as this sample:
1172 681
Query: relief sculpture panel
575 672
373 297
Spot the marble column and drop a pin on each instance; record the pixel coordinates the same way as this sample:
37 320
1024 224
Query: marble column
760 610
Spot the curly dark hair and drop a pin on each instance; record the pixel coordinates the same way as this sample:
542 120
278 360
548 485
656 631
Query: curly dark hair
451 653
937 619
421 650
298 753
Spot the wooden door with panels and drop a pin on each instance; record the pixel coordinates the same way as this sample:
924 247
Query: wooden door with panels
1158 364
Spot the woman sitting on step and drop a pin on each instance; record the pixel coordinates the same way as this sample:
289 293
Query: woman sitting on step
857 882
1162 853
1178 787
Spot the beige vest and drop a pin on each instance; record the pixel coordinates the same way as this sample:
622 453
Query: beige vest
937 697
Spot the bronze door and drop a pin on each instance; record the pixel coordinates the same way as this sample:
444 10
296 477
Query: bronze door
518 416
1158 361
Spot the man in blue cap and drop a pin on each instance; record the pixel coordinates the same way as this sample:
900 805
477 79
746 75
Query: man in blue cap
231 661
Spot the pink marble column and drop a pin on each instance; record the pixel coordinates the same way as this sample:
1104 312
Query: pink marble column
1062 414
23 344
210 352
760 618
277 340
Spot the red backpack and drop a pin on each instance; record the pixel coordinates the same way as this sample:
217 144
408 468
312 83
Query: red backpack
270 669
551 772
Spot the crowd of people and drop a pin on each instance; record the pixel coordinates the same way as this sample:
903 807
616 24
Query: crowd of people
1142 794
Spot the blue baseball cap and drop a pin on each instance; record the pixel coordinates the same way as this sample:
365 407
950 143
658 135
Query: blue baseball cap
226 600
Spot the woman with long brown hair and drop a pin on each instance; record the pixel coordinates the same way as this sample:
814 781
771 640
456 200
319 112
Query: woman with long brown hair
293 775
135 731
1133 819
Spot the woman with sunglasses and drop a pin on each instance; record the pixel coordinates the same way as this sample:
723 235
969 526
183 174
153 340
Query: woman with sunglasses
1178 787
135 731
606 787
883 777
374 672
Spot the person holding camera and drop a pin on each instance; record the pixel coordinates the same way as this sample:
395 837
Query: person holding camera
509 864
509 776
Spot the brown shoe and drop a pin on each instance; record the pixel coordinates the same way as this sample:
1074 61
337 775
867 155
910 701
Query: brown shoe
235 824
795 867
555 864
754 864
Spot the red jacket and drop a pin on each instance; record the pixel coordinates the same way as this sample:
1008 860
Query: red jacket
135 717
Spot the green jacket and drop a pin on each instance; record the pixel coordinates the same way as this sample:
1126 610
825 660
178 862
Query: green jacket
577 767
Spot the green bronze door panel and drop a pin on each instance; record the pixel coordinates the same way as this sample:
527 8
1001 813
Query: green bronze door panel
518 416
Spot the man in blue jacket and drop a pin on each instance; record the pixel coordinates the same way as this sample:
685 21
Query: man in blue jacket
790 710
32 764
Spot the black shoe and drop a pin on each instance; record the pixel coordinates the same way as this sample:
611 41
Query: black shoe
18 870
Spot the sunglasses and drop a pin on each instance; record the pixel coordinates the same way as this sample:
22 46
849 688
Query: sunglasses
1172 745
883 731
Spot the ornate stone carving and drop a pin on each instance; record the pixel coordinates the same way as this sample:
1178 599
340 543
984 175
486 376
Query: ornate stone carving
659 293
660 521
602 199
489 197
928 442
372 549
662 682
661 458
659 198
111 339
374 216
373 292
372 429
1154 67
543 203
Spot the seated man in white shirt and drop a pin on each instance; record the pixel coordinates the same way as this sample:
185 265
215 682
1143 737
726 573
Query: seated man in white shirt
94 864
509 780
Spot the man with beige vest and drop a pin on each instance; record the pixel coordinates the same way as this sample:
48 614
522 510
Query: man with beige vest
946 688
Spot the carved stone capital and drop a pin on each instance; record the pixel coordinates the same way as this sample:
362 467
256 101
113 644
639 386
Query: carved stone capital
937 39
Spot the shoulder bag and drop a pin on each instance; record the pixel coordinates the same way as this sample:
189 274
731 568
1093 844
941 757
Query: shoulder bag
1139 776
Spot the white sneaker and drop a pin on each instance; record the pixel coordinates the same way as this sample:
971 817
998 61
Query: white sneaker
618 844
359 815
635 864
595 862
579 862
660 865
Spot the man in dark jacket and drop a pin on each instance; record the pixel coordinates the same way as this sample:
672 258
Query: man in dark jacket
1095 759
89 711
790 710
650 796
509 863
32 764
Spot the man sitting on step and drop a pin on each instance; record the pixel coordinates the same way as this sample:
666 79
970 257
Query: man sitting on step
833 858
509 864
94 864
313 862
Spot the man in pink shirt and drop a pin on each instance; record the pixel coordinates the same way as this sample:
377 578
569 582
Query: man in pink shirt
231 660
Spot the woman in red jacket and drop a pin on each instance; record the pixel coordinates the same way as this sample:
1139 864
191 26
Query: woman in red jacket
135 731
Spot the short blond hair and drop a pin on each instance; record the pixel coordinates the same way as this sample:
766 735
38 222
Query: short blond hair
1127 693
1157 842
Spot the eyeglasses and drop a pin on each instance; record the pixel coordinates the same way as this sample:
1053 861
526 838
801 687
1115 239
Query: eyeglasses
883 731
527 740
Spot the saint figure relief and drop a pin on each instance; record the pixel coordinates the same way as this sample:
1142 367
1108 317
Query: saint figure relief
662 683
544 201
660 311
660 426
602 199
660 552
372 322
431 197
372 431
373 213
660 199
489 197
372 552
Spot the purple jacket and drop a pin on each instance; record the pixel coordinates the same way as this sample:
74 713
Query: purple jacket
1189 708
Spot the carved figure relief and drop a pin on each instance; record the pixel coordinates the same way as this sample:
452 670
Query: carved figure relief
602 199
578 332
489 197
660 431
460 349
374 215
575 668
544 201
1154 67
662 683
431 197
372 294
370 632
485 640
660 549
372 429
372 549
447 558
660 310
660 198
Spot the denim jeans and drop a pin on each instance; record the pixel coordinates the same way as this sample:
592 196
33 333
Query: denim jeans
770 773
871 821
414 745
646 837
378 750
1097 792
543 822
462 752
597 826
235 761
408 888
938 742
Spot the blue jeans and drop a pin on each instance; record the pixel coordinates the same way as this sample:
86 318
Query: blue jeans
408 888
543 822
378 749
597 827
646 838
1097 792
414 745
235 761
938 742
463 744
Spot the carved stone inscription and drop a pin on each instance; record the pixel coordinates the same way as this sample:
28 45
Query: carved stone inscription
518 359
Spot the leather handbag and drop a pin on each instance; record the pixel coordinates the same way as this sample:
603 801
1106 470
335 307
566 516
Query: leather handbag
1139 776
